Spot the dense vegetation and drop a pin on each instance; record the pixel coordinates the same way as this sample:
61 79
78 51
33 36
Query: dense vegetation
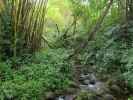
43 41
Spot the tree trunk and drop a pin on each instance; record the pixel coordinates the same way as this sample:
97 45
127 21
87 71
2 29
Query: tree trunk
129 10
94 30
100 21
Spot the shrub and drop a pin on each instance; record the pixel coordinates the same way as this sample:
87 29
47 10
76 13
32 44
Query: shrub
112 53
48 71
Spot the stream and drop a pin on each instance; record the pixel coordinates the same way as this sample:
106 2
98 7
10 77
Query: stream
90 86
89 82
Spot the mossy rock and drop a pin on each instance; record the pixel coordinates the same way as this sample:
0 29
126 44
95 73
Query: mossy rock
85 95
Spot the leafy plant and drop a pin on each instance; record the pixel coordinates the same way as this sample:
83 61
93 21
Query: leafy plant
111 54
48 71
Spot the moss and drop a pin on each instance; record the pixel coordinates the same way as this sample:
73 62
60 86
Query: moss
85 95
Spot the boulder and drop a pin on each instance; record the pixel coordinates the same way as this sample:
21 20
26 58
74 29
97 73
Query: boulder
115 89
99 88
84 87
108 97
86 82
49 96
90 77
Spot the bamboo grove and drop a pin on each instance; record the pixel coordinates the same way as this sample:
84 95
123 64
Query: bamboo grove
21 26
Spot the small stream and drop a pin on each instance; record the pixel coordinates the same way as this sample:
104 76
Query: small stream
89 82
67 97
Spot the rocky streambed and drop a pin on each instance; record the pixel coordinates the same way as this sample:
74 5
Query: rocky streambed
90 87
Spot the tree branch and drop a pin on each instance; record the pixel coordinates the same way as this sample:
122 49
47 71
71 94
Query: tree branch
94 30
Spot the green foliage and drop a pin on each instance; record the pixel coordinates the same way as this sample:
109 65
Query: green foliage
6 34
22 24
28 75
85 95
111 53
5 71
90 12
127 60
48 71
61 17
130 98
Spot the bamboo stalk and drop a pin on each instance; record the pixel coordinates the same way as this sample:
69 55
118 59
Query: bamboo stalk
27 24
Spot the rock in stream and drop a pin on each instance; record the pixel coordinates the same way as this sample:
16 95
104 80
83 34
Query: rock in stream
98 89
90 89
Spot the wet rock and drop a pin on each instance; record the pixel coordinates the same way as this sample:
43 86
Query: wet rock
115 89
84 77
50 96
84 87
92 87
85 95
99 88
86 82
90 77
71 90
69 97
93 78
66 97
88 95
108 97
60 98
92 82
74 85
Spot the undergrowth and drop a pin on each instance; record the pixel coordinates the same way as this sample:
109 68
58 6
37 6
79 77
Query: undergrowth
46 71
111 53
